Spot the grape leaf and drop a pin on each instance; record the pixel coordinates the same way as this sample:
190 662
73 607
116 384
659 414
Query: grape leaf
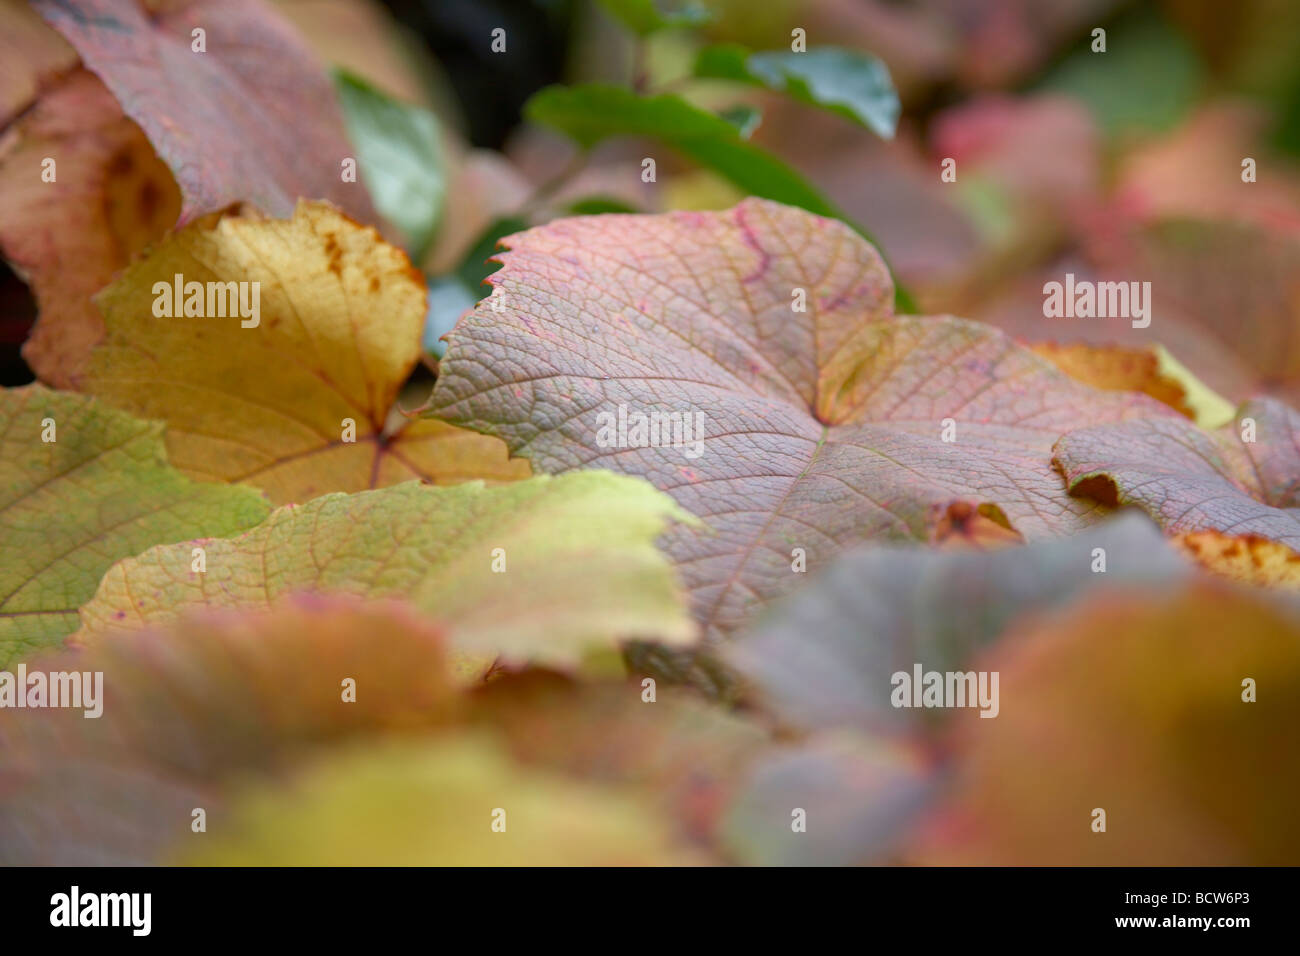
538 569
110 198
337 335
850 83
435 804
1134 705
825 655
822 428
1236 282
33 56
1117 368
452 295
592 113
239 121
101 490
859 794
1245 558
692 753
1189 479
225 696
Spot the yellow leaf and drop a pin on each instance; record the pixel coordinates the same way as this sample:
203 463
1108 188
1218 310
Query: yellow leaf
1247 558
286 379
458 803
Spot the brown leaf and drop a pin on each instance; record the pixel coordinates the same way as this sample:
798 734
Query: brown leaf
111 198
1134 705
253 118
1189 479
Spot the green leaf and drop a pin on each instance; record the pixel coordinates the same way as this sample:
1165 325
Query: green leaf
452 294
592 113
544 569
644 17
744 117
399 152
1148 79
69 508
855 85
599 205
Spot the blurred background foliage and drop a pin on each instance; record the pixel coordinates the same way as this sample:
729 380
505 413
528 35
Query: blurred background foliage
1066 158
1123 164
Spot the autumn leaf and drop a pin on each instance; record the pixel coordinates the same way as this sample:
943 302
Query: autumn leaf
296 399
81 486
822 428
858 795
235 121
33 55
689 753
1178 176
1189 479
1137 706
223 696
109 198
435 805
542 569
1245 558
1117 369
226 697
824 656
1234 283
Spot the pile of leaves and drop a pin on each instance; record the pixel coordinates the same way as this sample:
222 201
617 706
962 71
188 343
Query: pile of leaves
344 619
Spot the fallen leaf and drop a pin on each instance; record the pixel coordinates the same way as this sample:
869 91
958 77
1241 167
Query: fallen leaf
1195 173
237 121
538 570
33 55
1189 479
337 334
111 197
822 429
858 797
1235 282
436 804
1133 705
1245 558
222 698
691 755
1117 369
100 490
363 37
824 657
